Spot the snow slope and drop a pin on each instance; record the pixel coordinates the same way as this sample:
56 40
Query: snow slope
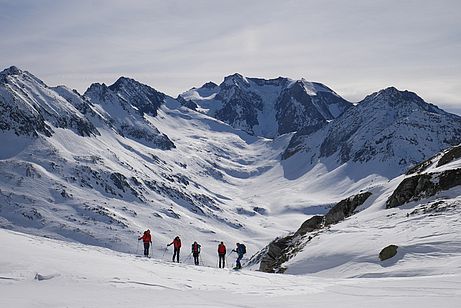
39 272
422 219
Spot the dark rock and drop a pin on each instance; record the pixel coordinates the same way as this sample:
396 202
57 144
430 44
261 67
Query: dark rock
345 208
452 154
313 223
283 249
388 252
423 186
422 166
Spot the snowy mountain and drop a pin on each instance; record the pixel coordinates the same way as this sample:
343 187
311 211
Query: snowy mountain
29 107
387 132
267 108
126 105
100 168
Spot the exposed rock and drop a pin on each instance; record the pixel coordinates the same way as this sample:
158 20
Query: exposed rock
422 166
423 186
313 223
345 208
388 252
452 154
283 249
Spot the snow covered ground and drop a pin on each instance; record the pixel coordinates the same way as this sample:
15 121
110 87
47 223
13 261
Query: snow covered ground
39 272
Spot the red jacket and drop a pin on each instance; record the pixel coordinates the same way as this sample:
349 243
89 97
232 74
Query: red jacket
176 243
146 238
221 249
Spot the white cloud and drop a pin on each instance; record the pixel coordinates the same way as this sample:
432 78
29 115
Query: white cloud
354 47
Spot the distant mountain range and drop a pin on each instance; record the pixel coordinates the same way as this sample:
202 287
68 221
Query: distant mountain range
248 158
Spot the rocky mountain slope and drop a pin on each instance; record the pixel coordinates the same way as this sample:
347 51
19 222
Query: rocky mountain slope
264 107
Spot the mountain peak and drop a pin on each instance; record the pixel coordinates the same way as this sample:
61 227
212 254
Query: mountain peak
235 79
123 81
397 97
12 70
209 85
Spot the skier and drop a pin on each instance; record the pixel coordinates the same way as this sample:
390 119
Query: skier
147 240
196 252
222 254
240 250
177 246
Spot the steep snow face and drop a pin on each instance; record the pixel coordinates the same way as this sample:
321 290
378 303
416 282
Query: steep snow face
29 107
266 108
126 105
388 131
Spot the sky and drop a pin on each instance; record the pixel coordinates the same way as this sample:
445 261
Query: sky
354 47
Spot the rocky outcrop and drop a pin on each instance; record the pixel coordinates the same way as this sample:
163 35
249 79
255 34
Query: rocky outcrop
388 252
283 249
345 208
452 154
423 186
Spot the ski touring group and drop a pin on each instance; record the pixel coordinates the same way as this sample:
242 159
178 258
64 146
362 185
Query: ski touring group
240 250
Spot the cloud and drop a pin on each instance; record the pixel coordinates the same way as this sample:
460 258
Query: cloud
354 47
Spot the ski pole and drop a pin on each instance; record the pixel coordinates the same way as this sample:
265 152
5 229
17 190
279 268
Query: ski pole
164 252
137 248
188 257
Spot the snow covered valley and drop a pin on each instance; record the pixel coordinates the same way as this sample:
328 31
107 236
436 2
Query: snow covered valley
82 176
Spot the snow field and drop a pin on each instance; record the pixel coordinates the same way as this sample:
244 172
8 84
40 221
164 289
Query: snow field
39 272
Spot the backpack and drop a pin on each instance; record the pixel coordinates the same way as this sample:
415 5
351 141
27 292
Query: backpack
243 248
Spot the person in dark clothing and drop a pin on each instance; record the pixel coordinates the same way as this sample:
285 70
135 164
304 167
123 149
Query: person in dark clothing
222 254
177 247
147 240
240 250
196 252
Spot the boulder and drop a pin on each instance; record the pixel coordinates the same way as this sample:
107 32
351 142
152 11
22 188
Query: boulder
388 252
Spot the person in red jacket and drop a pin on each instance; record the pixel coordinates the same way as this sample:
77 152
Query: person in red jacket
177 247
147 240
222 254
